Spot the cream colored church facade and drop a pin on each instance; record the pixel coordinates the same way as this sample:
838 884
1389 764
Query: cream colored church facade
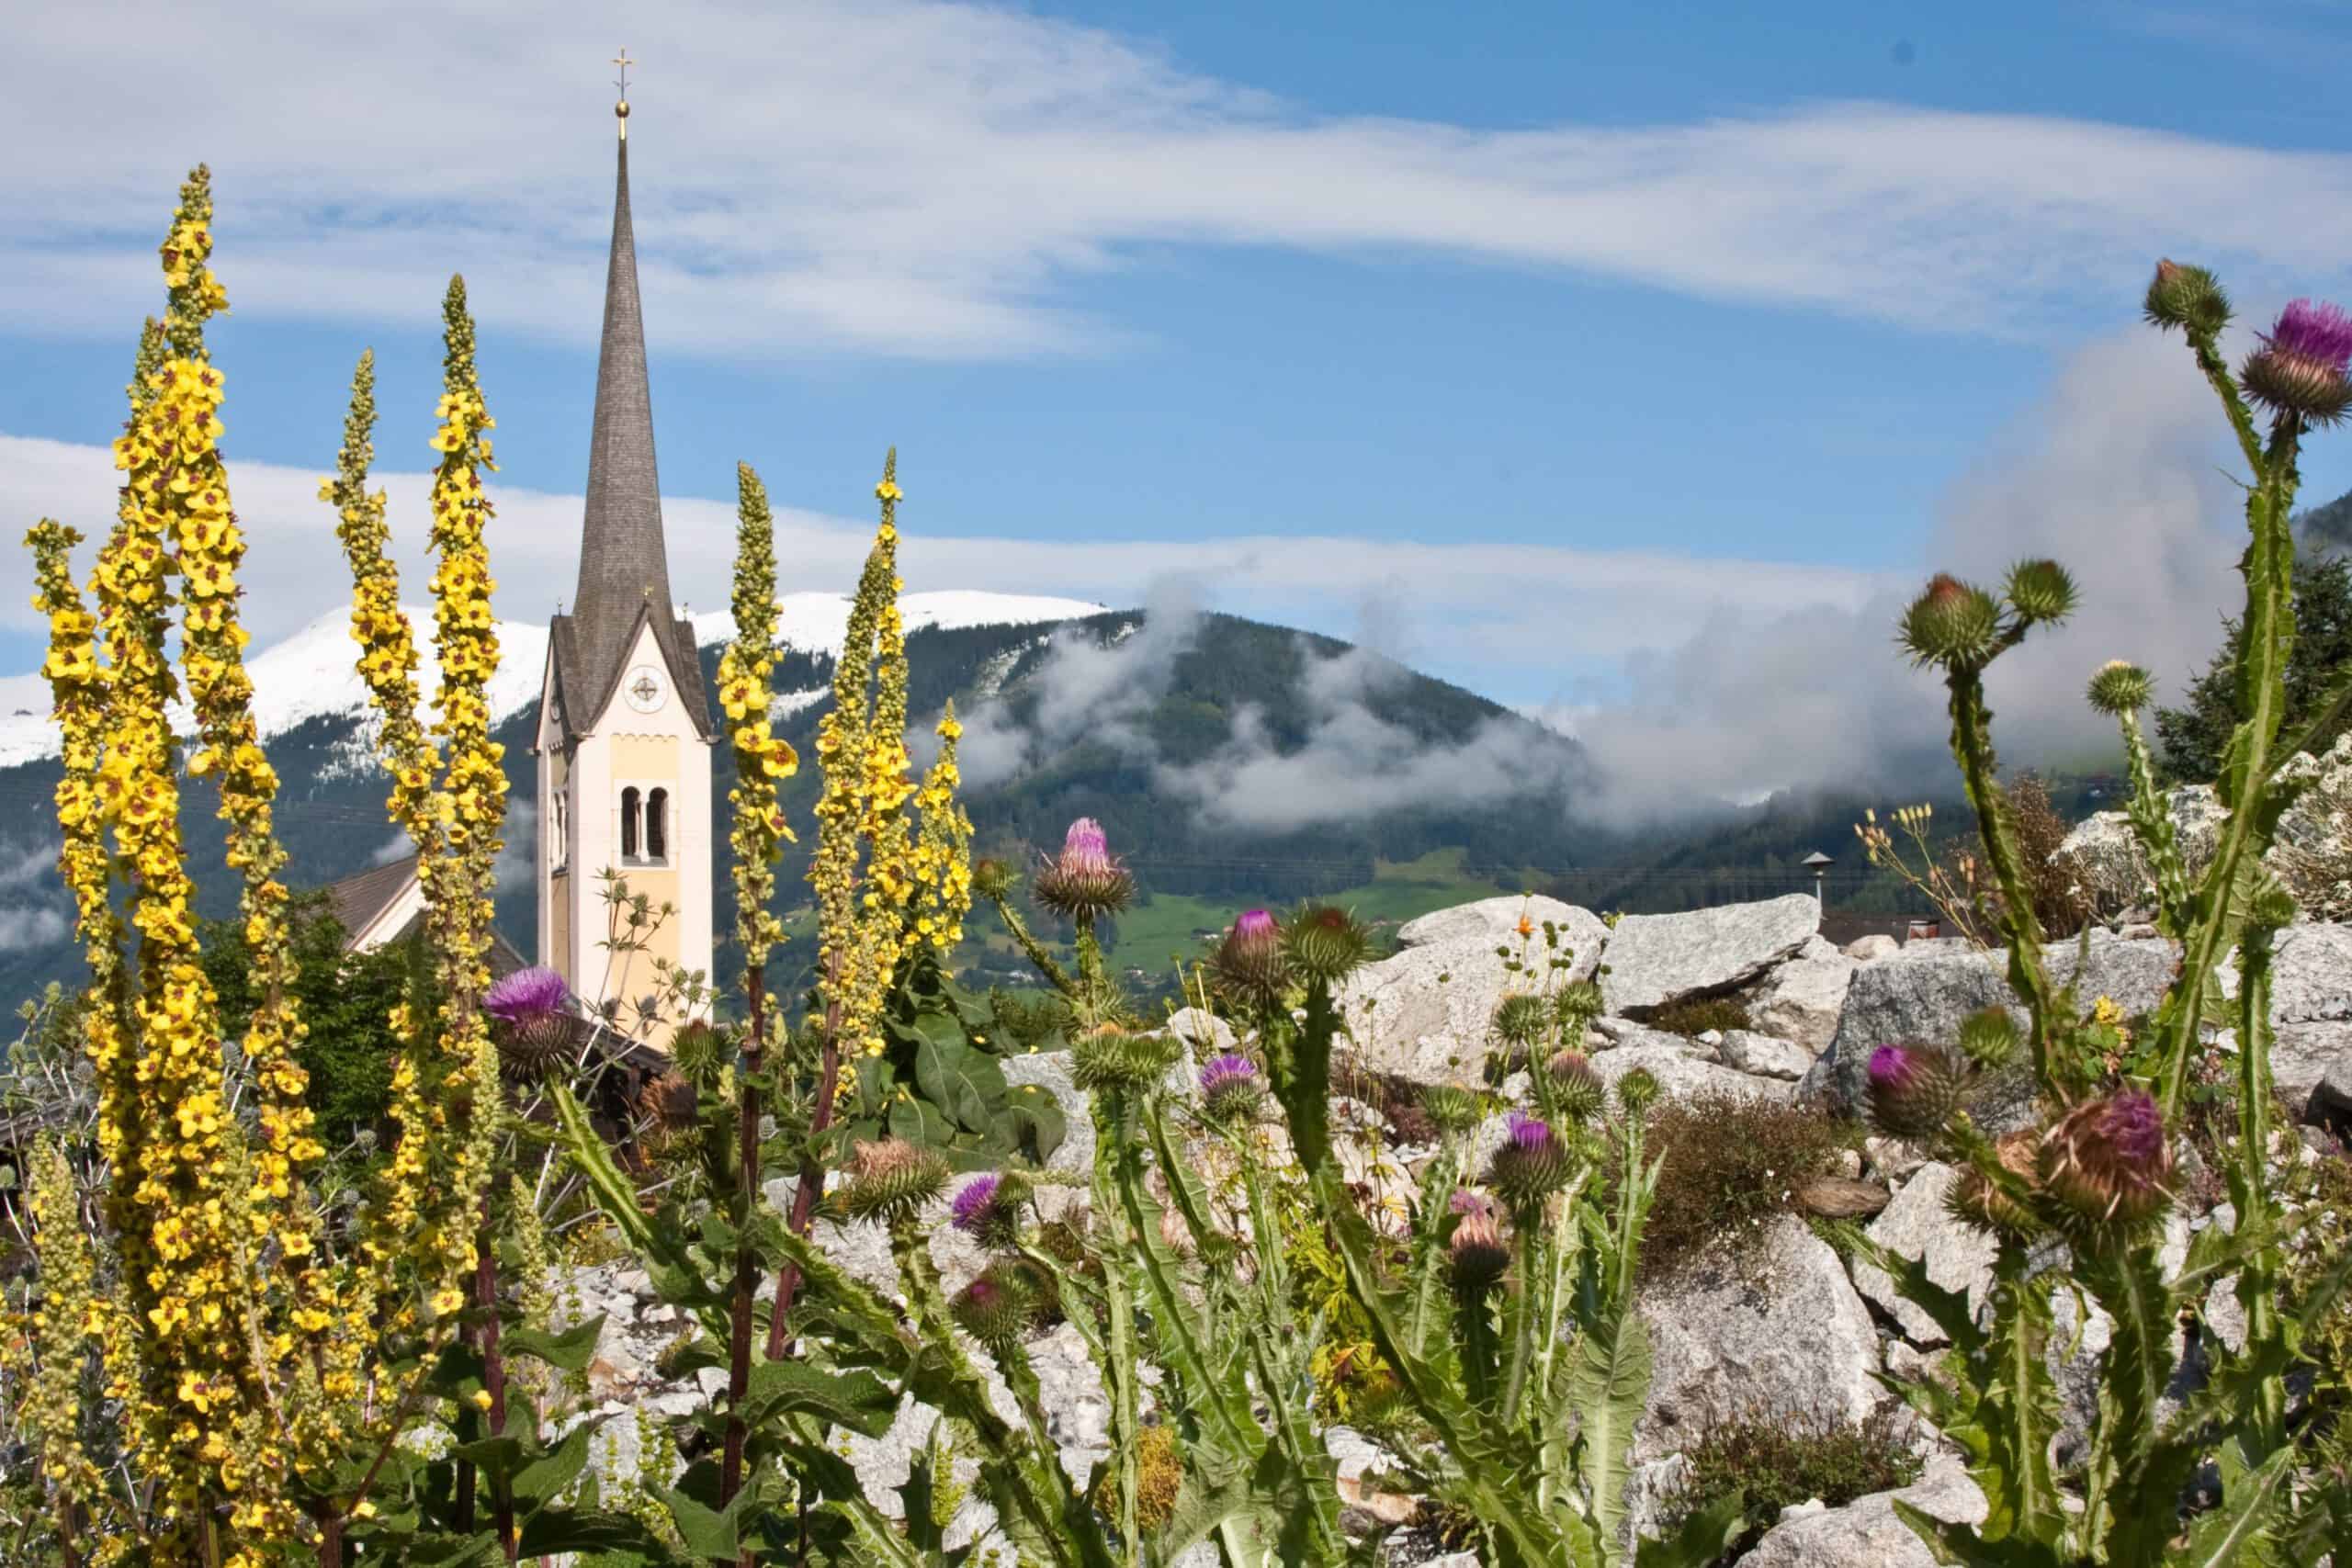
625 736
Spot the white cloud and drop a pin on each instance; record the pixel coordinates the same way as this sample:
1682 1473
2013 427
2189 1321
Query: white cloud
22 927
933 179
1476 610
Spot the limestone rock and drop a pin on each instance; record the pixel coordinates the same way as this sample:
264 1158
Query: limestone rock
1682 1070
2303 1056
1655 959
1926 998
1763 1055
1867 1533
1491 922
1204 1033
2110 862
1959 1257
1801 1000
1426 1014
1871 948
2311 974
1780 1330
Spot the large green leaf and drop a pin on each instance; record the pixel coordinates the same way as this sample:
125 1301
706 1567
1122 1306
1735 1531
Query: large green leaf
1609 1383
964 1083
857 1400
1701 1540
569 1351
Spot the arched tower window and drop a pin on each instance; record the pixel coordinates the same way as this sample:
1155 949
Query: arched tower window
657 826
560 833
629 823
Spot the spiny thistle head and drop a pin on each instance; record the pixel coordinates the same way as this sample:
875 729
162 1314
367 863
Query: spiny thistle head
698 1050
1951 623
670 1102
1522 1019
1532 1164
2109 1160
1455 1110
1230 1087
1912 1089
1578 1003
1477 1256
891 1179
2300 371
1577 1087
1977 1199
1085 882
1989 1036
1247 965
1110 1057
1324 943
2187 298
994 878
1637 1091
2041 591
996 1309
988 1208
2119 688
532 1022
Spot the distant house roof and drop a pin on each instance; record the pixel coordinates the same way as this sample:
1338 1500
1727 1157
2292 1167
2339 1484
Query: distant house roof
1844 930
384 904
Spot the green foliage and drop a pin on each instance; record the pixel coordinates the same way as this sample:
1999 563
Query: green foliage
346 1000
1694 1016
1728 1163
1771 1460
937 1082
2195 735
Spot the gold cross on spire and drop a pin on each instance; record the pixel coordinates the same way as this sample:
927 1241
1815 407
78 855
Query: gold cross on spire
620 110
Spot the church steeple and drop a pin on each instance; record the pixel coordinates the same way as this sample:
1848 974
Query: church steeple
624 567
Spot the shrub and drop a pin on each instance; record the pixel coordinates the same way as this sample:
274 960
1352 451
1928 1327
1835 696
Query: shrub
1774 1459
2060 899
1694 1016
1731 1163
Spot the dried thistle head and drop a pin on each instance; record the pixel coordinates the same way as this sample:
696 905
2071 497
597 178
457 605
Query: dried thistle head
891 1179
1977 1199
2109 1160
670 1102
1477 1256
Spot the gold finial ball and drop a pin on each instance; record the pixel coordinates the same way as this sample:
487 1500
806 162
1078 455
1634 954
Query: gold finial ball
621 109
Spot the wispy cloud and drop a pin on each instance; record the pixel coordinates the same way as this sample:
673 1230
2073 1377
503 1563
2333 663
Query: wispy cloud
23 928
933 179
1475 609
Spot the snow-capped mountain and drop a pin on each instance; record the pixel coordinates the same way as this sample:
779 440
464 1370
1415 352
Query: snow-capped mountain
311 674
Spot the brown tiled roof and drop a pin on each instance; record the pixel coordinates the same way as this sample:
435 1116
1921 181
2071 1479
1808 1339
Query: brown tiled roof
359 898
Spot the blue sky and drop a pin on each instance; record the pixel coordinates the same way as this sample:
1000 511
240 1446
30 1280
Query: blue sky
1722 313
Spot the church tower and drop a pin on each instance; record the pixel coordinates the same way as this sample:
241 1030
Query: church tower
624 732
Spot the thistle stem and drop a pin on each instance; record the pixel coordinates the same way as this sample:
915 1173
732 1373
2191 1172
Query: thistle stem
812 1184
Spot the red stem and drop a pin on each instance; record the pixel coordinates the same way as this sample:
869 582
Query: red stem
747 1262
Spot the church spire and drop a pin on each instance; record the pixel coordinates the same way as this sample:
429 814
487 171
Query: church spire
624 567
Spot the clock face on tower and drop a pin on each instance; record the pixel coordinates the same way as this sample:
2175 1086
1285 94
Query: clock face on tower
645 688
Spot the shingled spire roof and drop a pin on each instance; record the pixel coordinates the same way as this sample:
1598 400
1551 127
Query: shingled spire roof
624 569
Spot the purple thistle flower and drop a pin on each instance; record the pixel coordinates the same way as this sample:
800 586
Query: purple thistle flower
2110 1159
1249 962
1912 1089
975 1204
2300 371
1086 847
1255 925
1229 1084
1084 882
1532 1164
1465 1201
1529 1134
525 996
2311 329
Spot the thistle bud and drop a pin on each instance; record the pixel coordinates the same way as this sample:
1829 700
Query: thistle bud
1952 624
1455 1110
531 1023
891 1179
698 1050
1249 965
996 1309
994 878
2109 1159
988 1208
1522 1019
1912 1089
1324 943
2041 591
1989 1036
1532 1164
1477 1256
1230 1087
1084 882
1637 1091
1976 1200
1110 1059
2187 298
2119 688
1576 1088
1578 1003
670 1102
2300 371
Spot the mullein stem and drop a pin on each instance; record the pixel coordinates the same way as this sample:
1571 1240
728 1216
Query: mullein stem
747 1258
810 1187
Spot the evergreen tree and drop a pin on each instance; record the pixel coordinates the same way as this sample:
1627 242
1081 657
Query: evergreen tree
2194 734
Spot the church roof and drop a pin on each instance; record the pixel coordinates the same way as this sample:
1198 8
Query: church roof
624 567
